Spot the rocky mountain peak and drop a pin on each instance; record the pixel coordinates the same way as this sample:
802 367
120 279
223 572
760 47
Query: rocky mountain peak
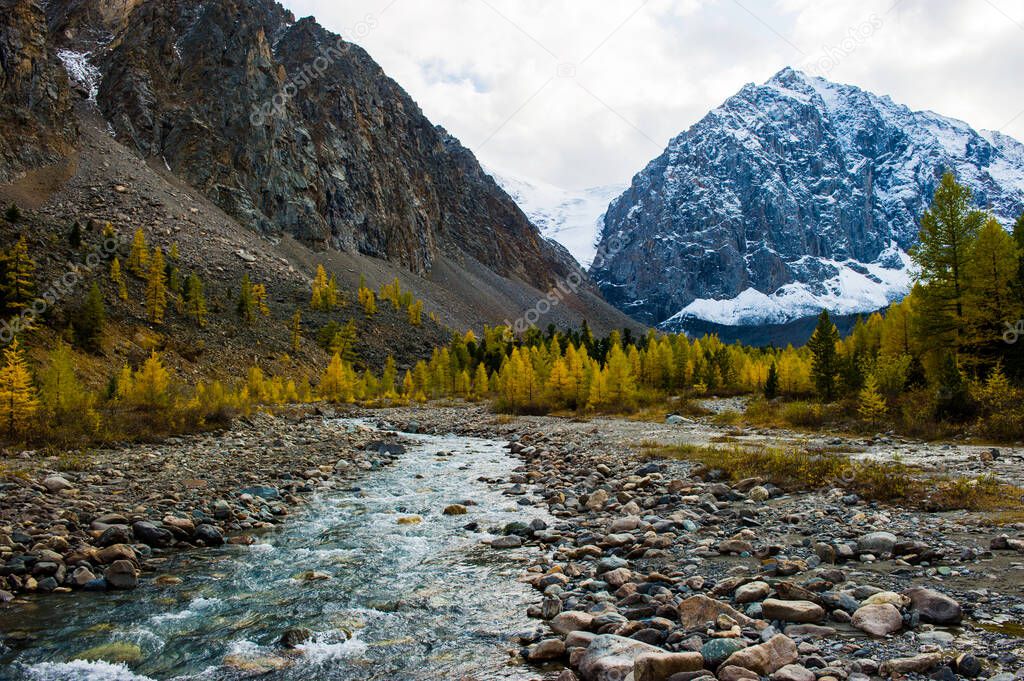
792 196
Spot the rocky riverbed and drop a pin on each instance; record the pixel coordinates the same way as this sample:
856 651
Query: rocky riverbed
654 572
640 567
98 528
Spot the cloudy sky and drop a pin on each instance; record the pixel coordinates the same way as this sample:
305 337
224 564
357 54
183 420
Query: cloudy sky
580 93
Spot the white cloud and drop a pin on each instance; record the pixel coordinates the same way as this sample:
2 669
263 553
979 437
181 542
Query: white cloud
584 92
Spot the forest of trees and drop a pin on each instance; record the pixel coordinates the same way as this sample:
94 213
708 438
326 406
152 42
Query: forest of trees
945 359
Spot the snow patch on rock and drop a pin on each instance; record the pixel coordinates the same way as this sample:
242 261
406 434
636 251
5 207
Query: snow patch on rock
81 72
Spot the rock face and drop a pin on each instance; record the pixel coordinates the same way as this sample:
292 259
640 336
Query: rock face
293 130
35 96
793 195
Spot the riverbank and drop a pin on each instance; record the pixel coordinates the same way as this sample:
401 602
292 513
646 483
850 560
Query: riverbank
676 571
98 521
638 565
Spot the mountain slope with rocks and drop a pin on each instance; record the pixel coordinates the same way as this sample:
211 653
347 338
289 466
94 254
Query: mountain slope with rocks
793 196
144 115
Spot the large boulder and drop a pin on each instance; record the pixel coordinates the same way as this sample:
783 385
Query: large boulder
611 658
695 611
121 575
57 483
151 534
934 607
877 543
880 619
766 658
792 611
116 552
660 666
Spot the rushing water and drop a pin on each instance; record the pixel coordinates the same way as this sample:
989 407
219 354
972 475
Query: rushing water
404 601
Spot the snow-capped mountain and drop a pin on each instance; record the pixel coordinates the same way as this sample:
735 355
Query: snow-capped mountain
793 196
572 218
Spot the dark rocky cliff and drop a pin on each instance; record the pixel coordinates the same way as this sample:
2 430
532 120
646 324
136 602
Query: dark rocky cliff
291 129
36 121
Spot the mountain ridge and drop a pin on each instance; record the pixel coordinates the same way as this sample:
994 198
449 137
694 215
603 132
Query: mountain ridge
792 196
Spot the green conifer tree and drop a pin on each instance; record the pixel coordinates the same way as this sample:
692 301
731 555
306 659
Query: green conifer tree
89 320
824 357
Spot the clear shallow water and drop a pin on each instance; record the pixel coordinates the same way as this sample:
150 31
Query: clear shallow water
417 601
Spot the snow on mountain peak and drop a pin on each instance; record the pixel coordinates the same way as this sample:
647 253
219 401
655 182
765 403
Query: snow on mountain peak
571 217
793 196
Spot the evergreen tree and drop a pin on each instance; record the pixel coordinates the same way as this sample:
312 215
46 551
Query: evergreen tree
173 278
174 254
89 320
948 231
990 301
343 343
771 384
871 404
330 295
480 382
337 383
12 214
620 380
75 236
824 357
295 326
195 300
156 287
123 384
117 276
150 385
17 277
18 400
368 300
952 397
138 256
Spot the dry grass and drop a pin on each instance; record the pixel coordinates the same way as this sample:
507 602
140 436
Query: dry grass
10 474
892 481
74 461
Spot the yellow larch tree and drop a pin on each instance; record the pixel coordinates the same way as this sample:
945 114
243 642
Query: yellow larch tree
138 256
18 399
117 276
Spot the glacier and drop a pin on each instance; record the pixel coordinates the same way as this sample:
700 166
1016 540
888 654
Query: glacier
572 218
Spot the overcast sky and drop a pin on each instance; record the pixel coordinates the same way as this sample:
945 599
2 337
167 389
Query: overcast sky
584 92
